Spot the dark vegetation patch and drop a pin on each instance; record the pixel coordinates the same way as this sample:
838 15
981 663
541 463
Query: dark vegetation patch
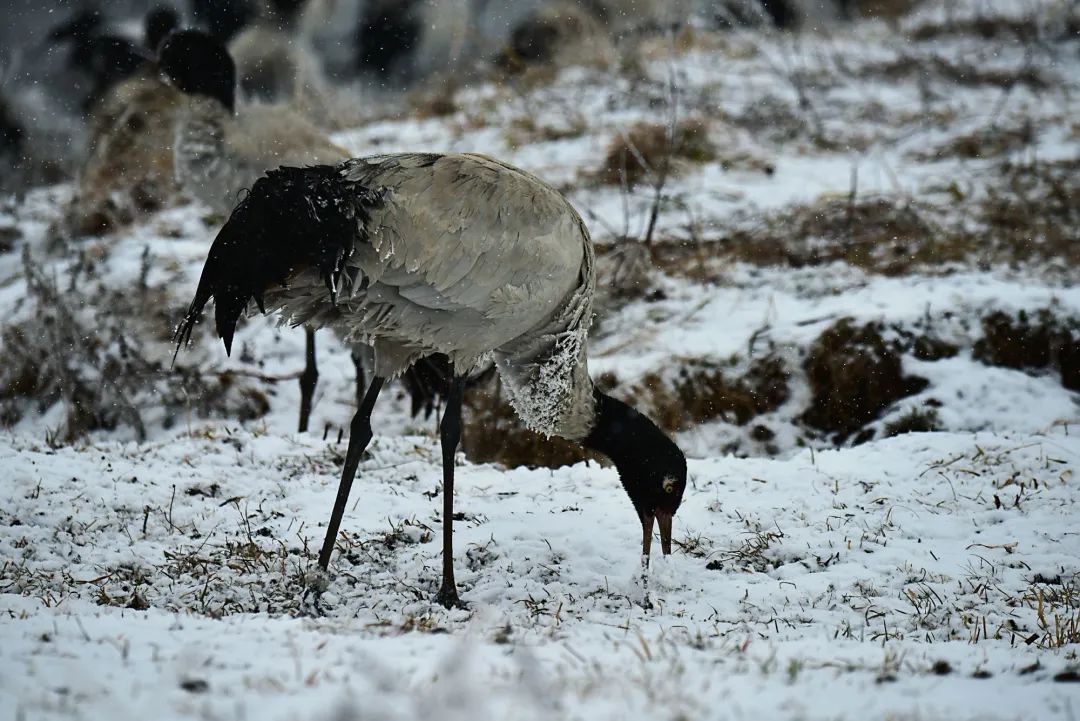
1031 213
772 119
877 234
881 9
492 433
700 391
916 420
435 102
1025 29
705 393
646 149
1026 214
854 374
8 235
983 143
103 360
1032 341
952 73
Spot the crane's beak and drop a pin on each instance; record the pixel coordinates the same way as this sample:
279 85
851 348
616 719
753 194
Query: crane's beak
663 519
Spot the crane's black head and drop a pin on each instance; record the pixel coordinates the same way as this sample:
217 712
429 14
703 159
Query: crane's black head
651 467
157 25
198 64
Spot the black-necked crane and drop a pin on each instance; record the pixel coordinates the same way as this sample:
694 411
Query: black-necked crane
457 254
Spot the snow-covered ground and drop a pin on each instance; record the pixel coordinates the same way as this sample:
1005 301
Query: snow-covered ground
924 576
919 577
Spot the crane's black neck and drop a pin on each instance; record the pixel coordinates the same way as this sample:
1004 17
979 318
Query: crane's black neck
641 452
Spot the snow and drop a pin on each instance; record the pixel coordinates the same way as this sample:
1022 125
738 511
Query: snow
878 562
929 576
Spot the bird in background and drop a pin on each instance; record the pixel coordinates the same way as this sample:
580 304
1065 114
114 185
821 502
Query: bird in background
459 254
223 146
127 171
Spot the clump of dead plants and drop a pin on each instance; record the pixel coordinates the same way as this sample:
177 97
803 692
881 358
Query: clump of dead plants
855 374
1029 341
703 391
98 359
648 150
982 143
916 420
1031 213
877 234
1026 214
1056 603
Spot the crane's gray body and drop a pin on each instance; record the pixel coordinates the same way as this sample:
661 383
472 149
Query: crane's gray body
472 258
217 154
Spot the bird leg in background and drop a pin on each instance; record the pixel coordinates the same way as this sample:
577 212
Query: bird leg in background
359 436
450 433
308 379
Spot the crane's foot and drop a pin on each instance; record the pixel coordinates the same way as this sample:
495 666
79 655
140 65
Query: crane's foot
315 583
448 597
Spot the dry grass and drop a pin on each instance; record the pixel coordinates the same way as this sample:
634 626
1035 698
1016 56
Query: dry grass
703 391
1026 214
854 376
103 359
916 420
876 234
1029 341
1031 213
436 100
987 27
1056 603
952 73
985 143
640 154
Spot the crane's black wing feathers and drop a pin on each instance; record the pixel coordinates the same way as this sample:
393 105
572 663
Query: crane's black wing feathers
292 218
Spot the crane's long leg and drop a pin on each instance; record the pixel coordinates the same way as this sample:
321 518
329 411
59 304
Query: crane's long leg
359 436
450 433
308 379
358 364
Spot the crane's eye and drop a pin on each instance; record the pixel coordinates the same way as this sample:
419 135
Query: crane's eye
669 485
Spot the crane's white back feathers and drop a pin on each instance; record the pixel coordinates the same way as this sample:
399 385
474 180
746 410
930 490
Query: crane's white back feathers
472 258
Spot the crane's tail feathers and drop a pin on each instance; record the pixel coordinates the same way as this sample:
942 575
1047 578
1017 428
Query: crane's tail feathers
291 219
